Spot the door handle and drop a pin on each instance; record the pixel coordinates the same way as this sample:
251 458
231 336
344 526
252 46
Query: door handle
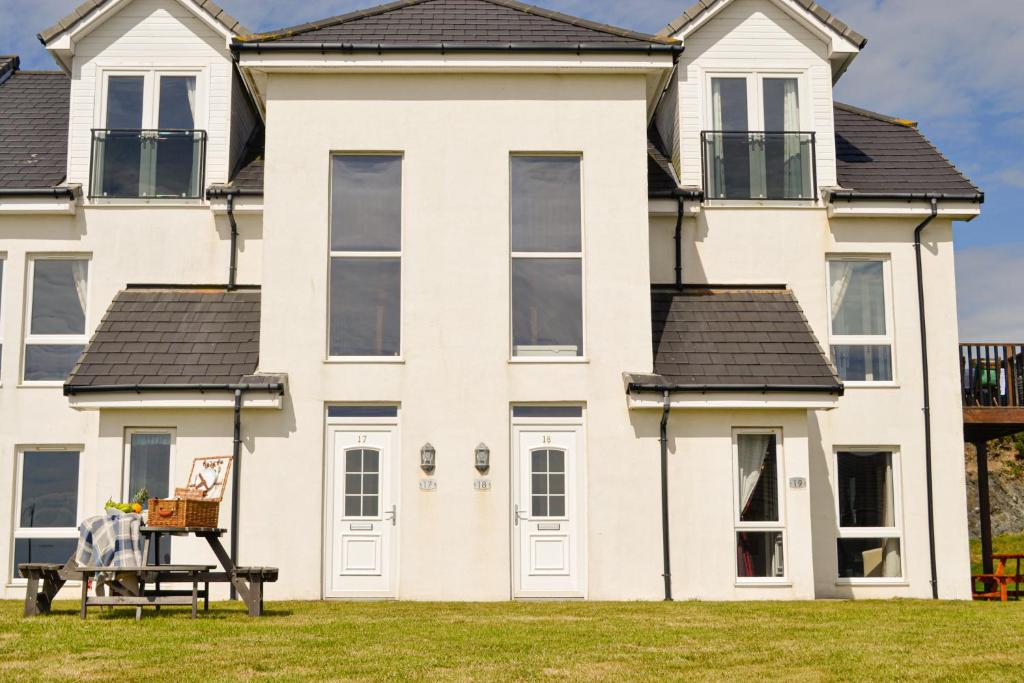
392 514
517 514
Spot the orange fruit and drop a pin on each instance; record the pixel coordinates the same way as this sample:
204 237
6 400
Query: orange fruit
136 507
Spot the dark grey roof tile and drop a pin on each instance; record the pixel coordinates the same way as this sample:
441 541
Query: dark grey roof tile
34 108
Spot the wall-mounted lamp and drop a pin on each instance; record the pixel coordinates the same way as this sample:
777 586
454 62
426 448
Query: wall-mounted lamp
428 458
482 458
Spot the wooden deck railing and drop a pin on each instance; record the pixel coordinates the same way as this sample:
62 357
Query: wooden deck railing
992 375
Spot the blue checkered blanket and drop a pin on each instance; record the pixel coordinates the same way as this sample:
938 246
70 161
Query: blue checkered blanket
110 540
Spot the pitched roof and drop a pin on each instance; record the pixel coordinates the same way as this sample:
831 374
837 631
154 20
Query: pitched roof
487 24
756 338
878 153
34 108
819 12
8 63
89 6
661 176
157 335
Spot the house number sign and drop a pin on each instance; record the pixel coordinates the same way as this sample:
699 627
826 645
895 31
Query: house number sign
481 484
428 484
797 483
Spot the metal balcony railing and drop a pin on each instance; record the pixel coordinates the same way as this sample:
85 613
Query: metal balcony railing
759 165
992 375
134 164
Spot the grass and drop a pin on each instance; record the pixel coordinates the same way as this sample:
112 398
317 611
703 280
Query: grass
514 641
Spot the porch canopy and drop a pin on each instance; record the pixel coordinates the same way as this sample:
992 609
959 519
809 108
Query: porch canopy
733 347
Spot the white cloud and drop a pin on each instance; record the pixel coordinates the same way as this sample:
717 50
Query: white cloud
989 308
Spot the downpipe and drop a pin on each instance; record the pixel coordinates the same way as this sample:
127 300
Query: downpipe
233 264
680 212
667 573
927 395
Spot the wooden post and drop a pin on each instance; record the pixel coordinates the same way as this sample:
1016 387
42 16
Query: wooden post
31 593
984 506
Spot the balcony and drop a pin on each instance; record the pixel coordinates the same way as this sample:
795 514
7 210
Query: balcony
992 388
148 164
757 165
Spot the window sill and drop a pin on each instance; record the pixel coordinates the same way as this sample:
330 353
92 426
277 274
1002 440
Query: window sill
761 204
135 202
878 583
364 360
763 583
547 360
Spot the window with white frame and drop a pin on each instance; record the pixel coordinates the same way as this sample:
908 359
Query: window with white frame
547 256
46 507
759 514
860 318
366 256
56 326
870 542
149 463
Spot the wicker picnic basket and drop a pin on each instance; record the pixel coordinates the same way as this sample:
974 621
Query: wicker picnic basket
183 512
198 504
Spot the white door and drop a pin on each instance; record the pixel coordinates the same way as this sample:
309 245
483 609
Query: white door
363 513
547 513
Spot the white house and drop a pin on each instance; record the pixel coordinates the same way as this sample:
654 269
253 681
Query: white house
508 304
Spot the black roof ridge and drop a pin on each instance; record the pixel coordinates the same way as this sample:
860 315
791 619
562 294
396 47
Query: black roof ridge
385 8
884 118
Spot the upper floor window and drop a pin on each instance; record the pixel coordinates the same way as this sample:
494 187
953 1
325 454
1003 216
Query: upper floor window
366 256
754 147
860 331
55 333
547 256
147 144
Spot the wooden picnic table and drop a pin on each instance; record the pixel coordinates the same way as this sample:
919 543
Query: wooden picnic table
247 581
996 586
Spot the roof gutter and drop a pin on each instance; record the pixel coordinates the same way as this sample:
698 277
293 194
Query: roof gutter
54 192
641 387
322 48
272 387
219 192
852 195
679 192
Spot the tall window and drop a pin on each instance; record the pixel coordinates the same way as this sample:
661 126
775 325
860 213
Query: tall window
760 529
366 256
46 513
148 461
861 329
57 313
547 256
870 542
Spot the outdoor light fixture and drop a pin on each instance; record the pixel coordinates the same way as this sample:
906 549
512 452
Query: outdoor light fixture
483 458
428 458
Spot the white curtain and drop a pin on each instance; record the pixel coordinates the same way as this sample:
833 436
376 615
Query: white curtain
190 90
840 273
891 546
80 271
793 167
718 150
752 451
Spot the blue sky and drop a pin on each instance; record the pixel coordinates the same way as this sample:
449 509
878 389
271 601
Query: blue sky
955 71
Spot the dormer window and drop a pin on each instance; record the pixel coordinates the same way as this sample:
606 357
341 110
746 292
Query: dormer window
149 145
754 147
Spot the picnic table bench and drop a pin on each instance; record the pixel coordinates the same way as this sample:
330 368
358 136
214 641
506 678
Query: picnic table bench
170 573
38 601
996 586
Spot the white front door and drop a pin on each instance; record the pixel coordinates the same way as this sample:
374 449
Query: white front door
547 512
362 514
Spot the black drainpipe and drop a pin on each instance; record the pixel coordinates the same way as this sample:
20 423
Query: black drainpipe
233 267
927 395
679 241
664 497
236 476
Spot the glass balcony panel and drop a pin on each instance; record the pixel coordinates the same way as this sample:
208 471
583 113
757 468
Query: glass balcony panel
148 164
758 165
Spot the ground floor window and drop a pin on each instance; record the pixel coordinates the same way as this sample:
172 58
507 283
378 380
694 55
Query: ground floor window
870 543
759 517
46 508
148 466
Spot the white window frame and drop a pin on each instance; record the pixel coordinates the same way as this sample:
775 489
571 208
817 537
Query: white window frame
29 339
581 255
779 526
127 466
888 339
755 95
872 532
150 92
17 531
399 254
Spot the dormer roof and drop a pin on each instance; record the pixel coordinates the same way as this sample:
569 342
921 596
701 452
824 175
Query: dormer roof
90 7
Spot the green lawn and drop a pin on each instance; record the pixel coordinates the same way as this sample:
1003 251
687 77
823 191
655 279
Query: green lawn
507 641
